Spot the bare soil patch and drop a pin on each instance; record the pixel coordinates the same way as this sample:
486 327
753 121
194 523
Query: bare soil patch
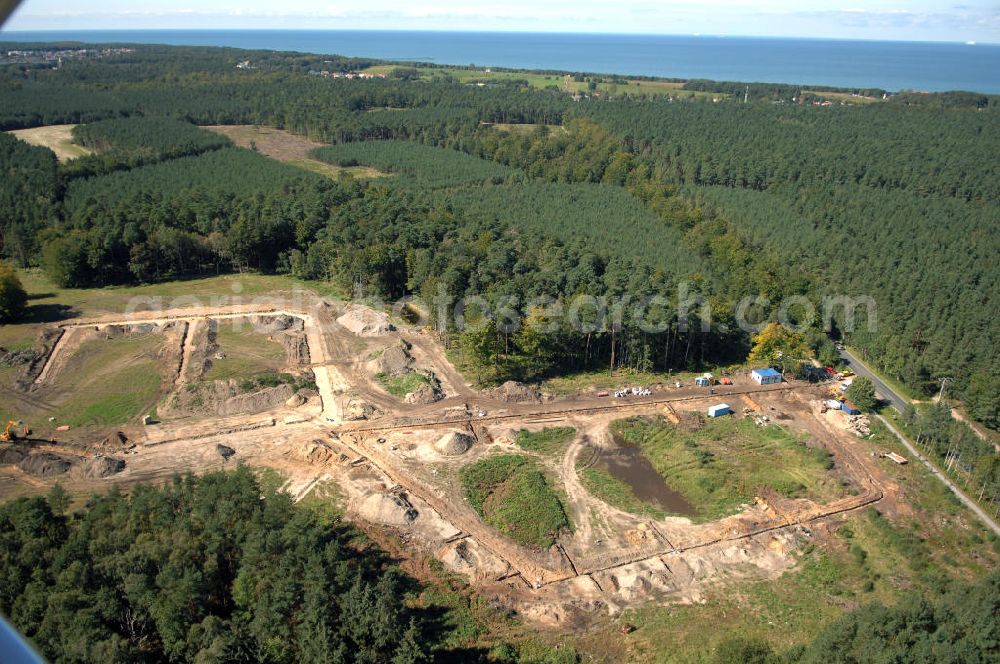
290 148
58 138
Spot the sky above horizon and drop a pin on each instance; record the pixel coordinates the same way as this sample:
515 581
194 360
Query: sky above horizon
917 20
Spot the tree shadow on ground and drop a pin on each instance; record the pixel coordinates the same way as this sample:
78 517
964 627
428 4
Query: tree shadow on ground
48 313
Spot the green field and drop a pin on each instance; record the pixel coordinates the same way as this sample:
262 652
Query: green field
511 493
247 353
550 441
723 463
563 82
106 383
49 302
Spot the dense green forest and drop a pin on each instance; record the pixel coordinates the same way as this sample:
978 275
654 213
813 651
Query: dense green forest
895 200
423 165
129 142
212 569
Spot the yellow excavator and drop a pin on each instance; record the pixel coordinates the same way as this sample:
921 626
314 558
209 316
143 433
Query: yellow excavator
9 433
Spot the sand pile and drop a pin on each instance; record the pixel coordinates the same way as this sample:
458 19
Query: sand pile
317 452
277 323
506 436
514 392
393 361
295 400
362 410
255 402
386 509
424 394
453 443
136 330
115 441
365 322
99 467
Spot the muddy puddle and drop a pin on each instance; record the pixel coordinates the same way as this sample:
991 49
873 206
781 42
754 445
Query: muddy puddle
630 465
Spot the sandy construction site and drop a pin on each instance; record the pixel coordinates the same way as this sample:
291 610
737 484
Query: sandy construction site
373 407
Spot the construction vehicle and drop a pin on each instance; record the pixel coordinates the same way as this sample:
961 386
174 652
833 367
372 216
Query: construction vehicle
10 432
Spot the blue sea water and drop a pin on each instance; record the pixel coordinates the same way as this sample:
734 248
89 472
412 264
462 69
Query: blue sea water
930 66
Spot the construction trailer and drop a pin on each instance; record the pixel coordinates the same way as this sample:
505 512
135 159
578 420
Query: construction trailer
718 410
766 376
849 408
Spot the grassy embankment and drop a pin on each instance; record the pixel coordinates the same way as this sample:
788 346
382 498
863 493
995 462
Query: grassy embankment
511 493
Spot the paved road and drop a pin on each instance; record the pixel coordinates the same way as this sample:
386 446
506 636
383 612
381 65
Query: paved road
986 518
898 401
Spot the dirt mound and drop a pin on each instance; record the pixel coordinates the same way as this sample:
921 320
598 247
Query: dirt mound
255 402
16 358
296 346
99 467
136 330
277 323
365 322
11 456
393 361
317 452
514 392
506 436
386 509
295 400
424 394
115 441
453 443
362 410
45 464
224 451
224 398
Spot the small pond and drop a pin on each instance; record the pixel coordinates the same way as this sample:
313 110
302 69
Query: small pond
630 465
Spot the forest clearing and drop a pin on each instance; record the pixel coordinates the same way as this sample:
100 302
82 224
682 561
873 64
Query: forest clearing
58 138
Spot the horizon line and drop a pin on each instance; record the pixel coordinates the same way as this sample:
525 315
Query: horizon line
971 42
